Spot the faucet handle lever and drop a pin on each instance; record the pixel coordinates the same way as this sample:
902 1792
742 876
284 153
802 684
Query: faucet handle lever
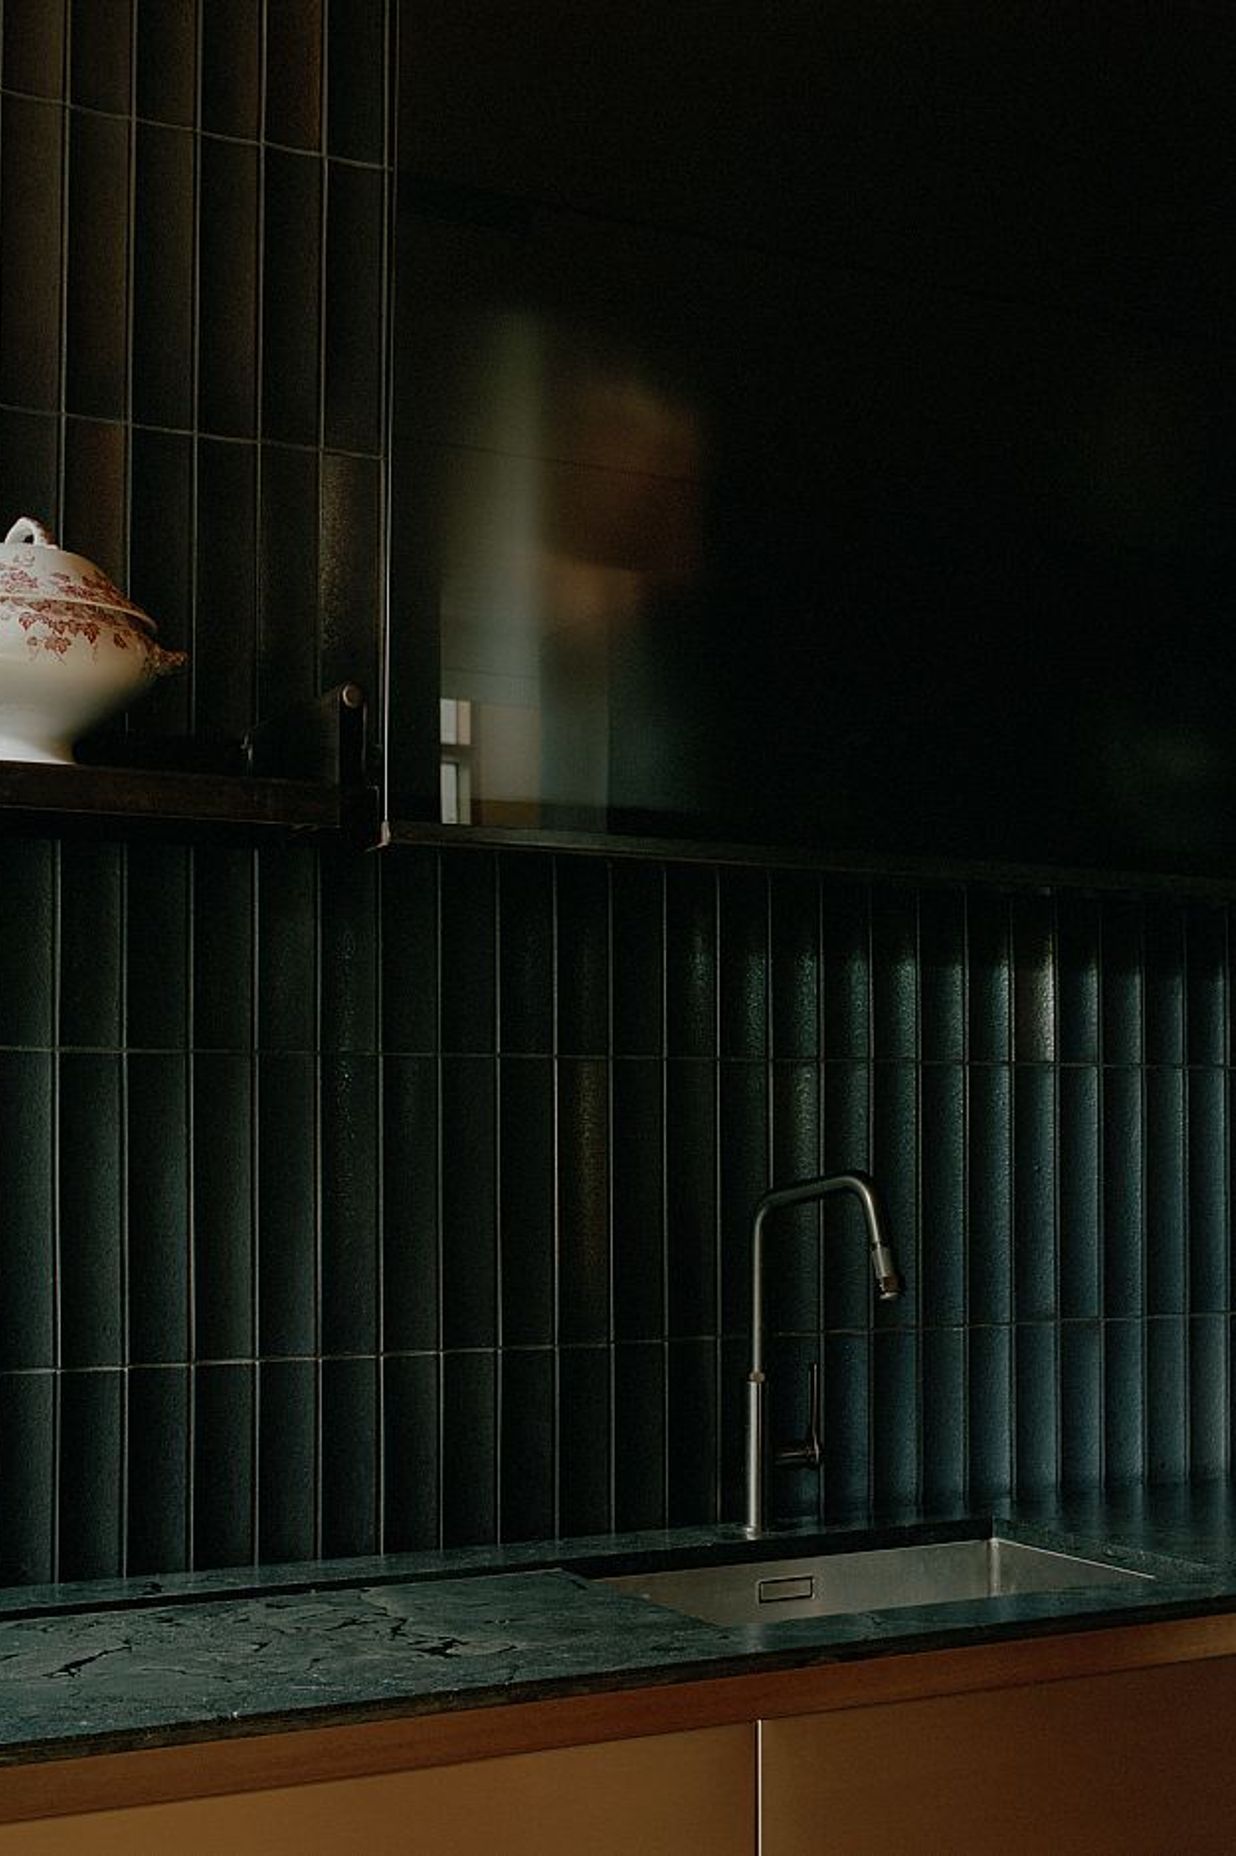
809 1451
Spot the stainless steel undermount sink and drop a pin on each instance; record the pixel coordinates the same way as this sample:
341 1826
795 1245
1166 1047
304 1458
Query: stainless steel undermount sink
771 1591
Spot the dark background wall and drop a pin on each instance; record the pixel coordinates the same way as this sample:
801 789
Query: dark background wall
358 1202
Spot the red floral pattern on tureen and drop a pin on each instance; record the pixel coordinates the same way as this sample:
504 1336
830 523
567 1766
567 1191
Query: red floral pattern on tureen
53 625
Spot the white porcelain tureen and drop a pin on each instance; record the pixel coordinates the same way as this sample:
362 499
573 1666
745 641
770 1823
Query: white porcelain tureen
73 649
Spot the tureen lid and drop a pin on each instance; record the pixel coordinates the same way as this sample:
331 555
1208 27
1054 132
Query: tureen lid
48 572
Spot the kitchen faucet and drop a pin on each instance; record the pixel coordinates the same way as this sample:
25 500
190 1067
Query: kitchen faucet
888 1288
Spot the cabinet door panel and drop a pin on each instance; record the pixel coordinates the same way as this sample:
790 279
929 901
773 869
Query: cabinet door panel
1131 1764
662 1796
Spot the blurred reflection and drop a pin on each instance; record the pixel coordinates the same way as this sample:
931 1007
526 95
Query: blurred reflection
567 539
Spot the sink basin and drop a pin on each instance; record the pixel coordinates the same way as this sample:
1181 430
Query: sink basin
947 1572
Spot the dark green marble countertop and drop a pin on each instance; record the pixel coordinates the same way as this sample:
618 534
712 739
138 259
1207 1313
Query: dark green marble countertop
129 1663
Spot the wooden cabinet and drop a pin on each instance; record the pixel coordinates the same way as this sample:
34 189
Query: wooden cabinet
660 1796
1134 1763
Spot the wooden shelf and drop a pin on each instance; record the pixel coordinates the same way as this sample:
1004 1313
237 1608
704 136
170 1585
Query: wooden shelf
302 777
920 870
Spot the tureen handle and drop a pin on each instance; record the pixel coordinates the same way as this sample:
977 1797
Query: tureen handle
27 529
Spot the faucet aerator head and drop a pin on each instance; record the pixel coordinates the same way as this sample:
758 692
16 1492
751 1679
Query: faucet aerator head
889 1288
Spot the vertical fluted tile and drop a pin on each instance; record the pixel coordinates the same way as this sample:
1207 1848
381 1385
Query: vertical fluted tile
350 1457
222 1198
90 1463
1124 1403
161 545
942 1261
638 978
1167 1378
157 1444
411 1456
583 1200
92 519
91 942
1165 982
1210 1448
291 297
1081 1272
846 919
795 960
28 1476
27 923
410 981
792 1279
1034 978
287 1508
691 1197
156 1100
944 1416
287 1202
356 60
584 1429
167 60
223 1464
469 1436
1208 1111
1078 928
638 1189
527 1200
163 284
349 1146
30 461
468 951
294 59
942 973
353 309
156 947
1167 1263
350 580
1123 1209
989 990
223 656
743 964
744 1177
526 1461
990 1413
231 54
691 961
31 203
469 1203
90 1204
1036 1395
96 280
1206 983
1034 1193
1081 1405
691 1432
793 1493
288 579
287 950
582 928
34 46
228 288
847 1147
348 989
640 1465
894 972
895 1471
1122 982
846 1369
410 1309
525 953
27 1193
990 1193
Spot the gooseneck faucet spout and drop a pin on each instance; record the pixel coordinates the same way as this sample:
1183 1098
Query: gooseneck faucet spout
888 1287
